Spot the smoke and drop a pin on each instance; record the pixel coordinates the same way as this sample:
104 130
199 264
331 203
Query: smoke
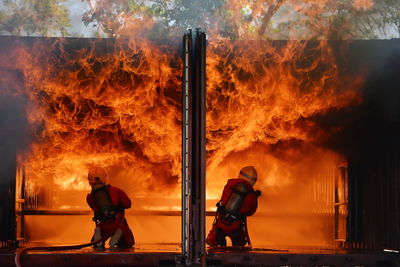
375 122
14 131
12 123
13 136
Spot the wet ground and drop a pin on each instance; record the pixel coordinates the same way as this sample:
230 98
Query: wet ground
138 248
169 254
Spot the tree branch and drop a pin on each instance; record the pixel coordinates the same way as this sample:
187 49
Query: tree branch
272 9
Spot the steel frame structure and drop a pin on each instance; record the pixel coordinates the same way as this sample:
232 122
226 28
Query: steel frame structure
193 146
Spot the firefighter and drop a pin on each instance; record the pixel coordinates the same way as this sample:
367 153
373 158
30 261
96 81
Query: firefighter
108 204
238 201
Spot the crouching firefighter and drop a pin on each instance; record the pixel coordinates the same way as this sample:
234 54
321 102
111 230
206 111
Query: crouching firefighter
108 204
238 201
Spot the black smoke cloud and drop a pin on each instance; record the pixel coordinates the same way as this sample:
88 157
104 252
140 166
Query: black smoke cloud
14 136
373 124
13 122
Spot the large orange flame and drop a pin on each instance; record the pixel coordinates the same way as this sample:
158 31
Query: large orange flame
262 98
110 103
116 103
266 92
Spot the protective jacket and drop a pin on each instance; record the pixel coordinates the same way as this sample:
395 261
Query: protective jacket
227 224
108 225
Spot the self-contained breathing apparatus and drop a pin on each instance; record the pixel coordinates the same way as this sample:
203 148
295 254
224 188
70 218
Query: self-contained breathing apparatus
231 211
103 200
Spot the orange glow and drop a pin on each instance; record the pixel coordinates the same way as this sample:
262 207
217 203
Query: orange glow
297 184
268 92
261 101
116 104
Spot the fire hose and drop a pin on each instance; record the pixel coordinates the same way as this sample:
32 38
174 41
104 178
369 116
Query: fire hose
21 251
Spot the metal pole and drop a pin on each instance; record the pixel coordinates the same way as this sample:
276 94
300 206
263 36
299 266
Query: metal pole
186 143
198 148
193 147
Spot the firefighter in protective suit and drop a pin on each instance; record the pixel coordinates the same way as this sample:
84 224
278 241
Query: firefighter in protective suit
108 204
239 200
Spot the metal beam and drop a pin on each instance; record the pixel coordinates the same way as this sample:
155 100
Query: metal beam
186 142
198 148
193 146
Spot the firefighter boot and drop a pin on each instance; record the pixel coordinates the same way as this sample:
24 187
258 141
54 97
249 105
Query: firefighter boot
115 238
97 236
220 236
238 238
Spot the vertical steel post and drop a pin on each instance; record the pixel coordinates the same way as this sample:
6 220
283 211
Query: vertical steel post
198 147
186 142
193 146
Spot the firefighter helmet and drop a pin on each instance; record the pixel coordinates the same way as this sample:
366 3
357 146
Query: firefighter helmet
249 174
97 175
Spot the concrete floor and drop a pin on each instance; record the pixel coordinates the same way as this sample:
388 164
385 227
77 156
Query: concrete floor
169 254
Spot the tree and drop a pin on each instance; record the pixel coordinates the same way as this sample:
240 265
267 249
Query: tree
228 19
165 18
347 19
31 17
252 19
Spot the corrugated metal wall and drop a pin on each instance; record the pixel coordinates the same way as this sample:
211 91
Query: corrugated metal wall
370 140
374 217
